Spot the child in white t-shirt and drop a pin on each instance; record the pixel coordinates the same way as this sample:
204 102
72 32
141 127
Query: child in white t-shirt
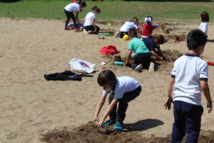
89 21
122 90
69 9
204 23
127 25
189 77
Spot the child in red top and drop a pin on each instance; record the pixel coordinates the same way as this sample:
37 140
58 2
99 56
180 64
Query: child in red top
147 27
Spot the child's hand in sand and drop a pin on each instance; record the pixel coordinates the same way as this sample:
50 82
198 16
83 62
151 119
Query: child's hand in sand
94 120
99 124
167 105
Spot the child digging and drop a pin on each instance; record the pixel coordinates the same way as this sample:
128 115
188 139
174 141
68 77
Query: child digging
122 90
189 78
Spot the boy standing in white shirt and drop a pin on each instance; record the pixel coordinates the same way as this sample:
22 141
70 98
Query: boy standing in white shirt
189 78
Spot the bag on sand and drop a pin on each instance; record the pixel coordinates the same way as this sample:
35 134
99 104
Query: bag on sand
81 66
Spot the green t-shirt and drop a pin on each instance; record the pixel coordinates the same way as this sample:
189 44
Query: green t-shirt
138 46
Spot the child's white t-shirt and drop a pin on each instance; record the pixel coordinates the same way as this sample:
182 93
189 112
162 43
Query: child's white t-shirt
127 25
204 27
72 7
88 19
123 84
188 71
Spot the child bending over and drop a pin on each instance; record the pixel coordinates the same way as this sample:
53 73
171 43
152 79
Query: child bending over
122 90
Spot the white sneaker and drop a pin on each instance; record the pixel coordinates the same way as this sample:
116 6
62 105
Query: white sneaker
152 66
138 68
86 32
117 34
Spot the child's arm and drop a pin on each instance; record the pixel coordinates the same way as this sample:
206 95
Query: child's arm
77 17
206 91
167 105
128 57
93 23
108 111
156 55
99 107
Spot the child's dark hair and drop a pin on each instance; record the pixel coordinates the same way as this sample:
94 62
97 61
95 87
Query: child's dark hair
205 17
132 32
106 77
196 38
82 3
159 39
94 8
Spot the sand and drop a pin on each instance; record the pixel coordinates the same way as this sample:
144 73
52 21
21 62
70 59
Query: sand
31 107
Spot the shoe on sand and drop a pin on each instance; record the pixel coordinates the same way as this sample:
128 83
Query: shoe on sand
138 68
151 66
118 126
109 122
67 29
117 34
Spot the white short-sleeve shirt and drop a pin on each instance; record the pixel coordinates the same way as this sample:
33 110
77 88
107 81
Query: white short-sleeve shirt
188 71
127 25
124 84
204 27
72 7
88 18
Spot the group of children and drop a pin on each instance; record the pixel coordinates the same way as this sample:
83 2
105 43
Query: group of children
188 80
89 20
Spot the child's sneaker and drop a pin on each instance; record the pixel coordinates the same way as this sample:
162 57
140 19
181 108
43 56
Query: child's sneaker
67 29
76 30
109 122
138 67
152 66
118 126
117 34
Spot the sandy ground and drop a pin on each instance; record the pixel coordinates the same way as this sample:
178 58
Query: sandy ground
31 106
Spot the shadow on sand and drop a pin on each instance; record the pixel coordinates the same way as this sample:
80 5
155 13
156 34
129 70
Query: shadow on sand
144 124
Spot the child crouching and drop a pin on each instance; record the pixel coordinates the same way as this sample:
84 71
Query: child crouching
122 90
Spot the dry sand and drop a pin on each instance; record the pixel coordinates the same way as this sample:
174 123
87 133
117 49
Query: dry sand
31 106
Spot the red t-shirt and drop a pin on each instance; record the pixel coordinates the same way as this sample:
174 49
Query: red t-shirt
147 30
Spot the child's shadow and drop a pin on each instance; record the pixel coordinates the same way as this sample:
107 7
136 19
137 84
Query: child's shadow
210 40
144 125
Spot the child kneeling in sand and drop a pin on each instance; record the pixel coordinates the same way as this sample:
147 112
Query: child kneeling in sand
122 90
141 52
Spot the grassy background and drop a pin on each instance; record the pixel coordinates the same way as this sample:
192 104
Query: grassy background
165 11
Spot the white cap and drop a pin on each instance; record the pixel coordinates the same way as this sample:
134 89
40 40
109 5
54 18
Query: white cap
148 19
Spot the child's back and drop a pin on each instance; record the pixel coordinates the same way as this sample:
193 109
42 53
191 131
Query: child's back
189 78
189 69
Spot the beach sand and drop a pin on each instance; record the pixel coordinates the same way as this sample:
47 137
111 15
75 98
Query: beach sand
34 110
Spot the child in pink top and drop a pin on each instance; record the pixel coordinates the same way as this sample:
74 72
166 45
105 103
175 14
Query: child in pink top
147 27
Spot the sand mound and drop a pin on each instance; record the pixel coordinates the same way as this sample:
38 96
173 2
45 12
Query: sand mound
91 134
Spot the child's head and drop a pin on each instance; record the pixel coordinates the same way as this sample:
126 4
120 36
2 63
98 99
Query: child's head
195 39
132 33
82 4
159 39
94 8
148 20
135 20
106 77
204 17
